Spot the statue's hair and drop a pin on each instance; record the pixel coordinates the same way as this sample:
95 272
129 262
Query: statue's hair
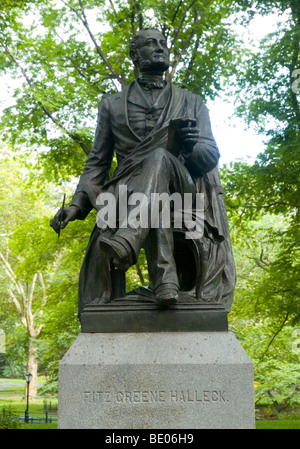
132 44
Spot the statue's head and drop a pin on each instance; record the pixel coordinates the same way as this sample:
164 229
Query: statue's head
148 51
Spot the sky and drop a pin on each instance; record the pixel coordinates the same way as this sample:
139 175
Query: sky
235 141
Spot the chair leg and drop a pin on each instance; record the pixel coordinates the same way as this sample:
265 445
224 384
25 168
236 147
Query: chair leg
118 280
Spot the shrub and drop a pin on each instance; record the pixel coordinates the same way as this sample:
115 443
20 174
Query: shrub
9 418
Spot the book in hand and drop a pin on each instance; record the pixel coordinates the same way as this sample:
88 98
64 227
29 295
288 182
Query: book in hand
174 144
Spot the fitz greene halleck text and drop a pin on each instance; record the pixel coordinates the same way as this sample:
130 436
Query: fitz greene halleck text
145 396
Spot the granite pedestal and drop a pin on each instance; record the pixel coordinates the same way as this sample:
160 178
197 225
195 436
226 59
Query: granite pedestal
156 380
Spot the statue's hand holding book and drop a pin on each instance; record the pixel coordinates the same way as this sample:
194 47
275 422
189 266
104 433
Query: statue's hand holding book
182 135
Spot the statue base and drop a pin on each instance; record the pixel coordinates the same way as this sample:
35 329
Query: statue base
156 380
134 313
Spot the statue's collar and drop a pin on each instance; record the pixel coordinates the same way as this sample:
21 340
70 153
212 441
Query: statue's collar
137 96
150 85
151 81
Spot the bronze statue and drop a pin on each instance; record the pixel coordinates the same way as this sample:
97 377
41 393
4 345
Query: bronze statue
135 124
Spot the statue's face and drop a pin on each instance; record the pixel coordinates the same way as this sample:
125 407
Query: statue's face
151 52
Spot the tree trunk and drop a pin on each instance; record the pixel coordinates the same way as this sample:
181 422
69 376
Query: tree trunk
32 366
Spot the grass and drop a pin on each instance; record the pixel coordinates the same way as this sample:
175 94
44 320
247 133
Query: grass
261 424
278 424
36 408
52 425
13 393
4 380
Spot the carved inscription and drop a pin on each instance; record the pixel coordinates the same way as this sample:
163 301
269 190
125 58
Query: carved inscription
155 396
96 396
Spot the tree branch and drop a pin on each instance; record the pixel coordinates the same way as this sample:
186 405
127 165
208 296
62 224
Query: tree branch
84 21
139 272
11 275
192 60
41 278
177 31
34 332
176 11
113 6
75 66
177 56
165 31
25 312
292 67
137 7
16 303
48 113
275 335
29 302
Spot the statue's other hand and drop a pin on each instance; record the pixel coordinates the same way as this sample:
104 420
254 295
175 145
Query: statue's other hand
189 137
63 216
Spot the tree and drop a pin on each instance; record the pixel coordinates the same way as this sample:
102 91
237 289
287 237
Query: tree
24 307
66 66
263 205
67 60
265 308
38 271
27 292
29 255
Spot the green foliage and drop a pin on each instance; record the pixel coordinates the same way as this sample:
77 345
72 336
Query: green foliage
16 350
27 204
67 54
270 187
31 246
9 418
267 98
276 363
278 424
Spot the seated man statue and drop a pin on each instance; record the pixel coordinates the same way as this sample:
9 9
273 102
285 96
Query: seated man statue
135 124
